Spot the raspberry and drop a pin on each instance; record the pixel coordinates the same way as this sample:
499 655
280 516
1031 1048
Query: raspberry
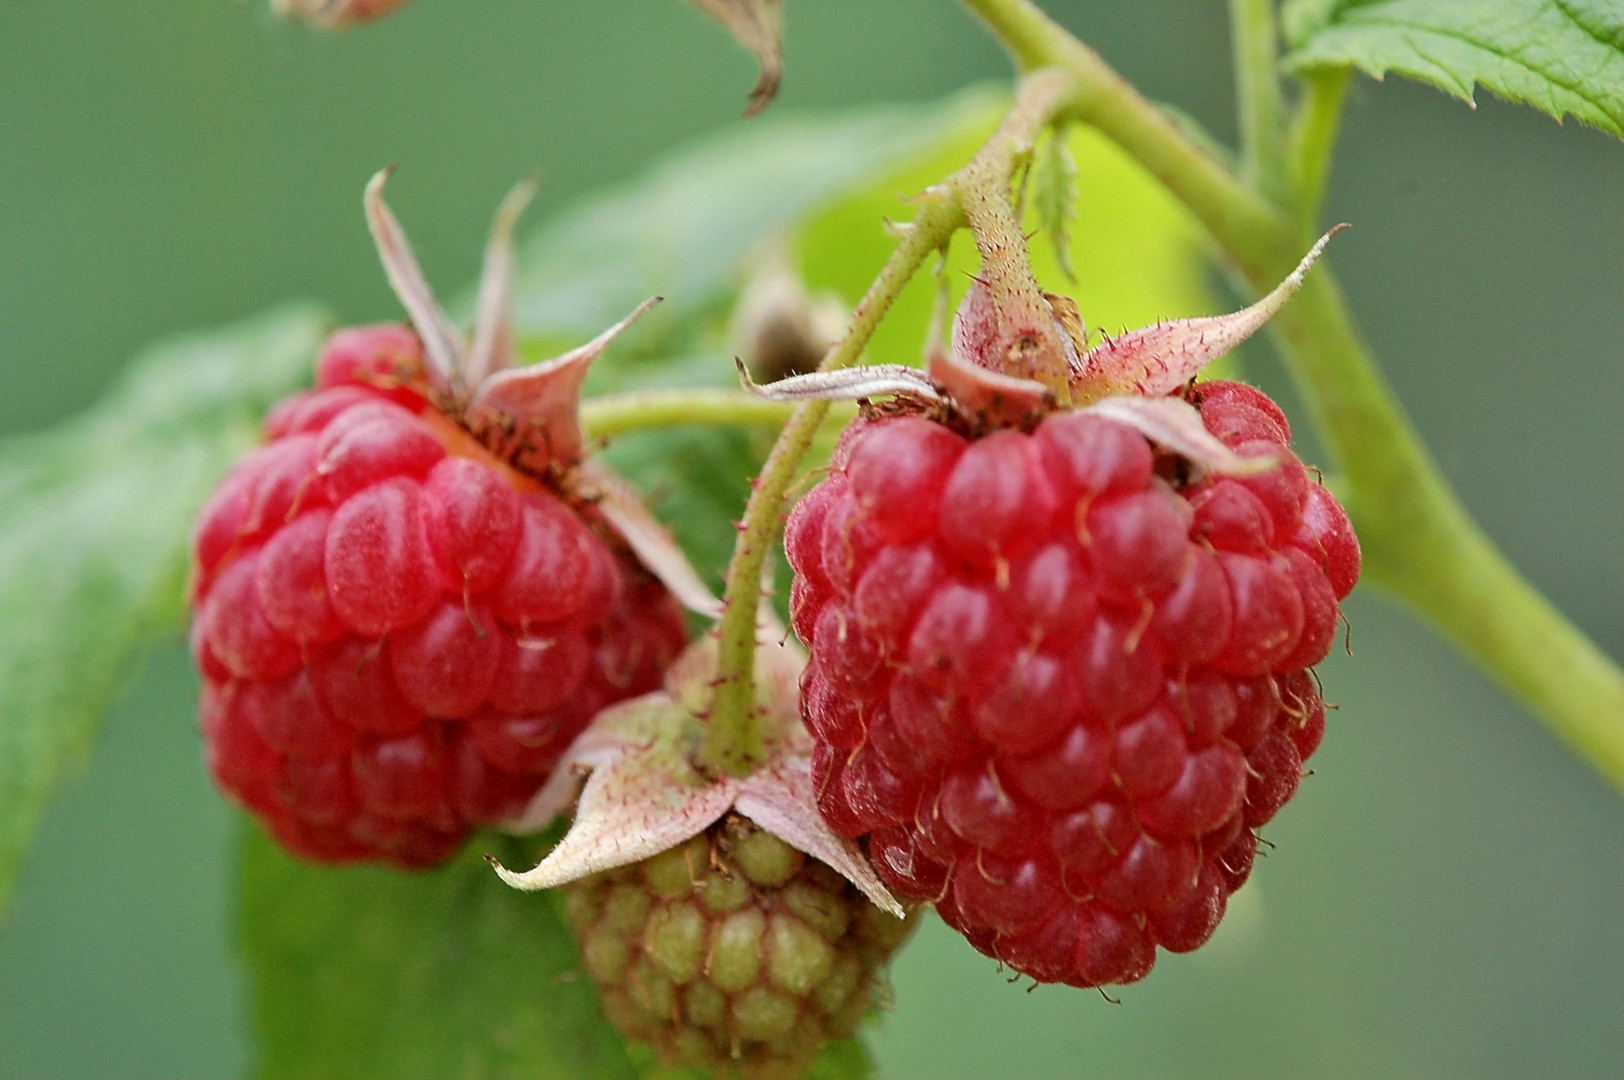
400 633
733 952
1057 681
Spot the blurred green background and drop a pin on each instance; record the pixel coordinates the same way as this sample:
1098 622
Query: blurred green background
1447 896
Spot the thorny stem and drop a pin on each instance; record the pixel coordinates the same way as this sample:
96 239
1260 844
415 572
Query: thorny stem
1257 93
1419 540
1247 225
1026 323
615 414
733 740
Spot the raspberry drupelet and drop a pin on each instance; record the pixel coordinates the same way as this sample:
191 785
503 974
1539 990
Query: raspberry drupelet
1056 683
733 952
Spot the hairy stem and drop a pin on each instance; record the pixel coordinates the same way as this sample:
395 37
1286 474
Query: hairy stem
615 414
1030 335
1257 96
1419 540
733 742
978 195
1252 230
1313 143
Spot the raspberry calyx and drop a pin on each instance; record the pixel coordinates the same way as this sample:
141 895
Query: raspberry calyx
725 923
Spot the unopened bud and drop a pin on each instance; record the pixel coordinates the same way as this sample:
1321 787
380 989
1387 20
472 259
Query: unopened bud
782 329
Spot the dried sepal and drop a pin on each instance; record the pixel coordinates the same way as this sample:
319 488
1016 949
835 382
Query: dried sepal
650 541
759 26
527 415
1070 318
532 412
975 330
985 396
783 800
492 349
1023 337
847 384
443 344
642 793
1175 425
1156 360
335 14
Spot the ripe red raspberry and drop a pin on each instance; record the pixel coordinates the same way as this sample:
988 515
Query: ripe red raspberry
1057 680
400 633
733 952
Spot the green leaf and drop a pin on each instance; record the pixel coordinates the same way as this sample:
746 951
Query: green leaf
1563 57
94 519
689 228
844 1060
373 973
1054 196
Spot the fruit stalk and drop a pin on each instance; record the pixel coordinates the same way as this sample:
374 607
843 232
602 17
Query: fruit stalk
1420 542
1241 220
1006 267
733 742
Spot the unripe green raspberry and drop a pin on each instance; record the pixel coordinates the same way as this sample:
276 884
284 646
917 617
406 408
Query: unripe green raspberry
733 952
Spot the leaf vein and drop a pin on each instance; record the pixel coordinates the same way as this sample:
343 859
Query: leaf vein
1612 112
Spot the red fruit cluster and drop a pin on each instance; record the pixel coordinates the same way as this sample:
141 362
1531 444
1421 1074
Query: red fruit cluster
1056 681
399 634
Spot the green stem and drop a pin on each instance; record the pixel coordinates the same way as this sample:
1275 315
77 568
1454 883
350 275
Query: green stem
1257 93
614 414
1313 142
1420 542
1418 539
733 742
